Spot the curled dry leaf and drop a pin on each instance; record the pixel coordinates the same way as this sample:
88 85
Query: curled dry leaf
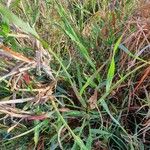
26 78
92 100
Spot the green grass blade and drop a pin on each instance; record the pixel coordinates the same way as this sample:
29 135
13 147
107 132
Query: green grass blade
121 46
112 67
102 99
36 133
73 35
89 140
82 101
81 130
76 138
91 78
44 123
17 21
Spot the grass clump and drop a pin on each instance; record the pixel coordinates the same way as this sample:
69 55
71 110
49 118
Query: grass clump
74 75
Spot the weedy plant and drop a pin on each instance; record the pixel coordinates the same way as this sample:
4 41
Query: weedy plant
74 74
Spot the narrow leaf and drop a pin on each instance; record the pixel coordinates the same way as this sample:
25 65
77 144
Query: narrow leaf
17 21
112 67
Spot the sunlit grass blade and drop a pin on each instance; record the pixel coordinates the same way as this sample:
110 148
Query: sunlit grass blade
102 99
119 82
17 21
112 67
